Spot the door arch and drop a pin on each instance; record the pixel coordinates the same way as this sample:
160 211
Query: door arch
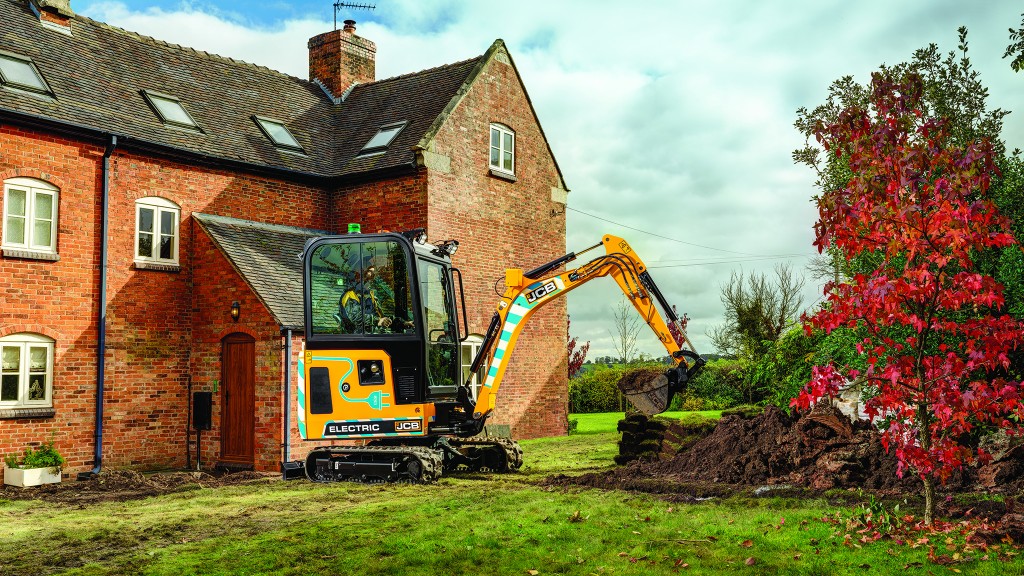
238 400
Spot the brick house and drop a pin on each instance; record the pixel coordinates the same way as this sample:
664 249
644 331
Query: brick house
149 189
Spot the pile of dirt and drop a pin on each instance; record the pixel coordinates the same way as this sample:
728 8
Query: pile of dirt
819 450
123 485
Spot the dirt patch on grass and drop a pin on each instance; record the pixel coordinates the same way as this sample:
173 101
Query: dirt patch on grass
816 451
123 485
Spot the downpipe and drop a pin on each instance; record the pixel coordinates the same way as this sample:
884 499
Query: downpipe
101 336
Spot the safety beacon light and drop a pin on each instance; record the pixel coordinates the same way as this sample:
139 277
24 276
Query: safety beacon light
354 228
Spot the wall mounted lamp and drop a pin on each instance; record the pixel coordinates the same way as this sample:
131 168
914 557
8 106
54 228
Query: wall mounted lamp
236 310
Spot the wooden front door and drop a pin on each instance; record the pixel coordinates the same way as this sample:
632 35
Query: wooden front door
238 413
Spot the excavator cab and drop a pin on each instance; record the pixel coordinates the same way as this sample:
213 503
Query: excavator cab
382 336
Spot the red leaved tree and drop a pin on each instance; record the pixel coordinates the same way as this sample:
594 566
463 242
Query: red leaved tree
576 356
914 216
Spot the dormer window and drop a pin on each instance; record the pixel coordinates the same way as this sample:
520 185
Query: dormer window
278 133
383 138
169 110
20 73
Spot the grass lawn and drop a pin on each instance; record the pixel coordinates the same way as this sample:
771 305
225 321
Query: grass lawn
475 524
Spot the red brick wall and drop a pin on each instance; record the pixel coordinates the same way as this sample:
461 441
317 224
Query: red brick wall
150 314
502 224
57 299
397 204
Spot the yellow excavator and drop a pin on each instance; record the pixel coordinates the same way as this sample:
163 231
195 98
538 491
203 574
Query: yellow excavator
382 359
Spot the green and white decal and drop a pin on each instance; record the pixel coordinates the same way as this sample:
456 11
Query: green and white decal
535 294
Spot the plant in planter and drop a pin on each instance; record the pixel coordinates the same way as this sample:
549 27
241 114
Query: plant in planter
41 465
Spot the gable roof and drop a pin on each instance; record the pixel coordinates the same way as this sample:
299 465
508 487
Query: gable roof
266 256
97 76
496 49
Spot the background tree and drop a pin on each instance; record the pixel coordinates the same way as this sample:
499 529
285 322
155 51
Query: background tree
627 328
577 356
1016 47
914 216
758 310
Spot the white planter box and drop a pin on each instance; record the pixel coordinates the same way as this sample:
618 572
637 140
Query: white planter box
30 476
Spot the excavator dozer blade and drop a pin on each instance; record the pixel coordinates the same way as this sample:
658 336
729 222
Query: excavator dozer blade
648 390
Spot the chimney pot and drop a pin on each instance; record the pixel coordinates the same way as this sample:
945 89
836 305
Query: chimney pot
350 26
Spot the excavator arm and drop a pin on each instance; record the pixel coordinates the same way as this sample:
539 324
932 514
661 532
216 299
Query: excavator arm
525 292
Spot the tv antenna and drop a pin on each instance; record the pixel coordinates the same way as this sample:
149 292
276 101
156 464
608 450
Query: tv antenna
339 5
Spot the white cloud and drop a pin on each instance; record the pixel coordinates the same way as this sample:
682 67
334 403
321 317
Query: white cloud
670 117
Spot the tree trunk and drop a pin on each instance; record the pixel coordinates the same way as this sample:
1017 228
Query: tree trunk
924 437
929 499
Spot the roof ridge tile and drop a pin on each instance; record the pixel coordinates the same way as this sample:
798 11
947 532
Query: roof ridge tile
424 71
197 52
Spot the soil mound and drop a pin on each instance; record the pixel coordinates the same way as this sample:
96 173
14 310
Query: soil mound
122 485
820 450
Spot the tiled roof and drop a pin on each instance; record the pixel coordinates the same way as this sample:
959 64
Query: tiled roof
267 258
416 98
97 75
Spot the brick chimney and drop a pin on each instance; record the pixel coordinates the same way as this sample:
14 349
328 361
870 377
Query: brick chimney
53 14
339 59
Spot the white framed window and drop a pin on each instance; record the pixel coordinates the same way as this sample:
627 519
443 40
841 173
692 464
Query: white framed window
26 371
470 348
156 230
30 215
503 148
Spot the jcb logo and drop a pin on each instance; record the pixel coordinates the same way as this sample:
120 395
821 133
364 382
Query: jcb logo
407 426
541 292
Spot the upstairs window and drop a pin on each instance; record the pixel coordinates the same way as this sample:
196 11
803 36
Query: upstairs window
383 138
503 146
26 371
278 133
30 215
169 110
156 231
19 72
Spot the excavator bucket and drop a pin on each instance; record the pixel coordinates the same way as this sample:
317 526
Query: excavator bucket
647 389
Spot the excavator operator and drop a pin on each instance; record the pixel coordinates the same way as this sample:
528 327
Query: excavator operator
368 306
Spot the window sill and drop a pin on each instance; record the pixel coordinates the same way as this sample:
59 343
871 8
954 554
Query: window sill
156 267
26 413
503 175
30 254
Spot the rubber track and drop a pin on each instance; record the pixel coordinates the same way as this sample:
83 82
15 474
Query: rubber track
513 453
431 462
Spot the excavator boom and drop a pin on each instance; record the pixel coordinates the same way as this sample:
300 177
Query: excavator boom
525 292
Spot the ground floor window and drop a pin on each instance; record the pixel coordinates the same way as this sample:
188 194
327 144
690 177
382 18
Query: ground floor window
26 371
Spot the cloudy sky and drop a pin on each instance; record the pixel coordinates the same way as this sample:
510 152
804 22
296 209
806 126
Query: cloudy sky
671 121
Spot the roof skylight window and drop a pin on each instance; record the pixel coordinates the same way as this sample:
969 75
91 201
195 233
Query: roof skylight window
21 73
383 138
170 110
278 133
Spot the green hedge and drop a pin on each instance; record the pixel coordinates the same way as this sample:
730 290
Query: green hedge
596 390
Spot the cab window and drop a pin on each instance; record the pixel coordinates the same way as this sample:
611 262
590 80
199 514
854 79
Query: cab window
360 288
